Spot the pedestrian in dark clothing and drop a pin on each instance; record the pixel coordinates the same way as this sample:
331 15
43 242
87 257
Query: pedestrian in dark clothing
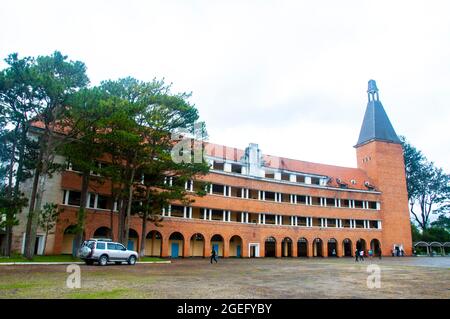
379 253
356 255
213 256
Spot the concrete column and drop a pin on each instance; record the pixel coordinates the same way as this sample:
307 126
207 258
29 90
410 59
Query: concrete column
190 212
184 211
259 219
264 219
224 213
169 212
205 213
296 220
210 214
246 217
229 215
321 222
259 195
326 222
243 193
242 217
247 191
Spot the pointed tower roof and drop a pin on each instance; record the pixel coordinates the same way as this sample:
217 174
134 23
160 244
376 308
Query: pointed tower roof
376 124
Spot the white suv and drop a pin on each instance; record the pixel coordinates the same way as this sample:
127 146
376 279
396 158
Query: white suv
104 251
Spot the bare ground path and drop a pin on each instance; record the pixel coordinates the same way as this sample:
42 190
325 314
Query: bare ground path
405 277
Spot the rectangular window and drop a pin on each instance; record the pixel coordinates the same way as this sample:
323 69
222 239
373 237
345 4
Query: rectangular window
300 179
177 211
358 204
373 224
270 219
285 177
301 221
252 194
359 224
316 222
103 202
315 180
101 246
301 199
91 203
270 196
315 200
217 214
236 168
345 203
218 166
330 202
372 205
74 198
217 189
331 222
346 223
270 175
285 198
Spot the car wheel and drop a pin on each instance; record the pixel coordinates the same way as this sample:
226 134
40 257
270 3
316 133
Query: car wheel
103 260
132 260
89 262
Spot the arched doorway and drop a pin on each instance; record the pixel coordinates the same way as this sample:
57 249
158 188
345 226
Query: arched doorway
235 246
286 247
302 247
176 243
133 240
153 244
375 246
217 244
269 247
347 247
332 247
102 232
68 243
361 245
197 246
317 247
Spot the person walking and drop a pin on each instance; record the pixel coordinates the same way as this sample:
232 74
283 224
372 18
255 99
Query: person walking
361 255
213 256
379 253
357 255
370 254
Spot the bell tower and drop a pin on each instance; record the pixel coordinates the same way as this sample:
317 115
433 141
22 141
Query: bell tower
379 152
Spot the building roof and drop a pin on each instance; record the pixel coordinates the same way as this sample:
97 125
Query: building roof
376 124
345 174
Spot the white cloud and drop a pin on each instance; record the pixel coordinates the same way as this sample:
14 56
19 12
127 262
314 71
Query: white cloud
278 73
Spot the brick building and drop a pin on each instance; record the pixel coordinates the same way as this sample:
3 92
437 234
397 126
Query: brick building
262 205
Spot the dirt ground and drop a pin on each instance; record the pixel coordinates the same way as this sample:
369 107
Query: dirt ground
401 277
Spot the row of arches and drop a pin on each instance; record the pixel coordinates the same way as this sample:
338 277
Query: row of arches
318 247
195 245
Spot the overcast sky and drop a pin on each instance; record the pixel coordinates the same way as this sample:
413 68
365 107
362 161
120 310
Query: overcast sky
288 75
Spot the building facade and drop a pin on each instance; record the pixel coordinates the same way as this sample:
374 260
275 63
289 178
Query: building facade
261 205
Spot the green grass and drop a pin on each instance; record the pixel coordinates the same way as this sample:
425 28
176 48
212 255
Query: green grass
52 258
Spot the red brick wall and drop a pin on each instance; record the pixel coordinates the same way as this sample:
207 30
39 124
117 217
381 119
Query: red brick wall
387 170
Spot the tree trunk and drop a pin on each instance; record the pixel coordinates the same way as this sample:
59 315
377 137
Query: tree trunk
28 251
129 203
81 216
143 235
